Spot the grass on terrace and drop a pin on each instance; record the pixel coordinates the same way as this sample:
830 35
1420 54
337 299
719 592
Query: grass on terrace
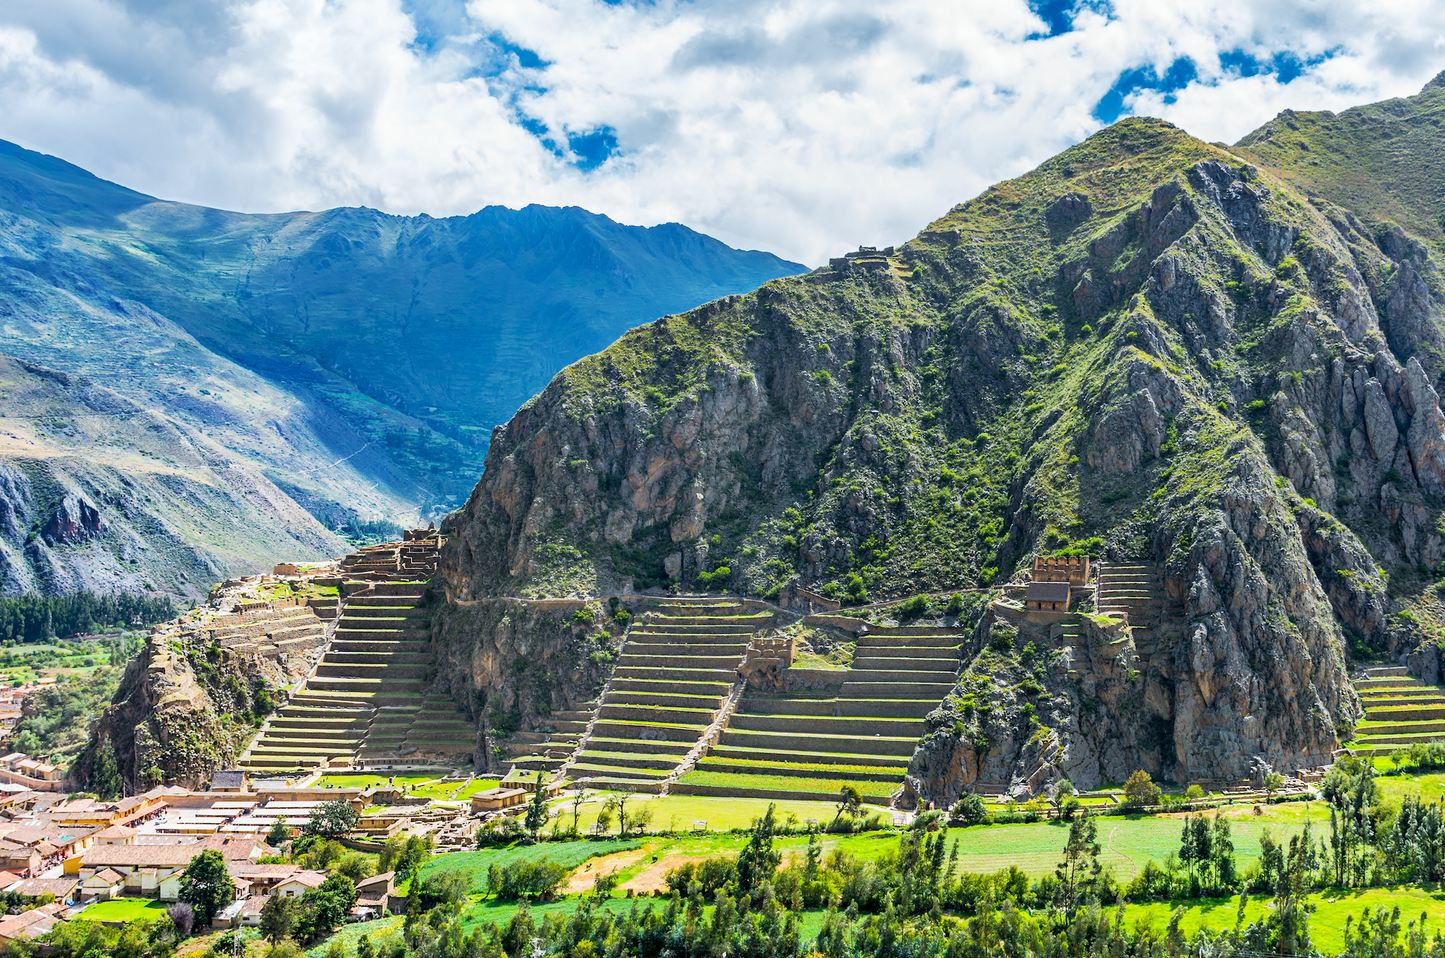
823 786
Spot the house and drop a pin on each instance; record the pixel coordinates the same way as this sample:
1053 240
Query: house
104 884
114 835
252 878
32 923
63 889
249 915
154 871
372 895
494 799
22 859
299 884
1047 597
229 780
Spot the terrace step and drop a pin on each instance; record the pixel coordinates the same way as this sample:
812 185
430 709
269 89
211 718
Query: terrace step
660 746
682 675
646 713
582 770
884 663
910 690
851 745
856 726
879 708
782 768
877 640
894 652
669 684
657 732
709 703
801 793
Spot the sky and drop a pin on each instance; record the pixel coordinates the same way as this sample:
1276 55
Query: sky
805 128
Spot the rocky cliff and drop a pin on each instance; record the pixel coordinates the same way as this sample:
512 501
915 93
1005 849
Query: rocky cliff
515 662
1149 348
189 702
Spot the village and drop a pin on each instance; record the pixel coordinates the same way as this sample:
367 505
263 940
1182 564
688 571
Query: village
61 857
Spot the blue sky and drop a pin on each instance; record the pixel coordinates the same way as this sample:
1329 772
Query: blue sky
801 127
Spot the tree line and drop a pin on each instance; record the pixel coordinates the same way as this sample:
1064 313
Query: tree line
38 618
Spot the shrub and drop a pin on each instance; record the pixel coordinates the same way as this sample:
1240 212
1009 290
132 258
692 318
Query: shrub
914 607
968 810
955 604
539 880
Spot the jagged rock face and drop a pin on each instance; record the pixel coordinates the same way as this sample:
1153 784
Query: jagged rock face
512 663
75 520
173 721
1145 341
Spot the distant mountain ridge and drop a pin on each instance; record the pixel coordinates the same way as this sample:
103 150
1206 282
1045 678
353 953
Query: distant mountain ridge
354 361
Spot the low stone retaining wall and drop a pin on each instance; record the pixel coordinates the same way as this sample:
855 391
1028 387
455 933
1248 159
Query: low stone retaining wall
846 622
724 791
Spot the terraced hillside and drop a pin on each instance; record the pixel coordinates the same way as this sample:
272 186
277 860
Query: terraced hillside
1137 590
367 698
1400 710
265 631
810 745
676 672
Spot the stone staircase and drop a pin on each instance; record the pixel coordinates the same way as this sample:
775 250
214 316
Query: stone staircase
1400 711
1137 590
805 746
677 668
367 698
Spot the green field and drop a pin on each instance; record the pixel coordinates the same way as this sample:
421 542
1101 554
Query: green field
1429 786
677 813
1128 841
823 786
125 909
382 931
1327 924
475 864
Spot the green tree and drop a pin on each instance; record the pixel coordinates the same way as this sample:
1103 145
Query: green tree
323 909
537 810
758 859
332 819
850 803
1081 860
968 810
279 834
206 885
278 918
1140 790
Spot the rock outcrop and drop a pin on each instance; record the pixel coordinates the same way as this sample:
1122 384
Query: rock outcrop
1147 348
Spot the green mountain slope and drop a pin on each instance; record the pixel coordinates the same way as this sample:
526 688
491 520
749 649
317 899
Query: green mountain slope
1148 348
356 361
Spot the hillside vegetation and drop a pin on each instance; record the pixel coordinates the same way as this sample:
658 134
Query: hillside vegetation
1147 349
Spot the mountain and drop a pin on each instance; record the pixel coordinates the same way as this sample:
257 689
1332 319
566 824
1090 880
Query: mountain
1218 362
347 362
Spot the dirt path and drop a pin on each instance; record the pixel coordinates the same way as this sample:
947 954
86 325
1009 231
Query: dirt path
586 874
653 878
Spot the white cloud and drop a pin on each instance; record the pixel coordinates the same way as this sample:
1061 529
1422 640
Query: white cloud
800 127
